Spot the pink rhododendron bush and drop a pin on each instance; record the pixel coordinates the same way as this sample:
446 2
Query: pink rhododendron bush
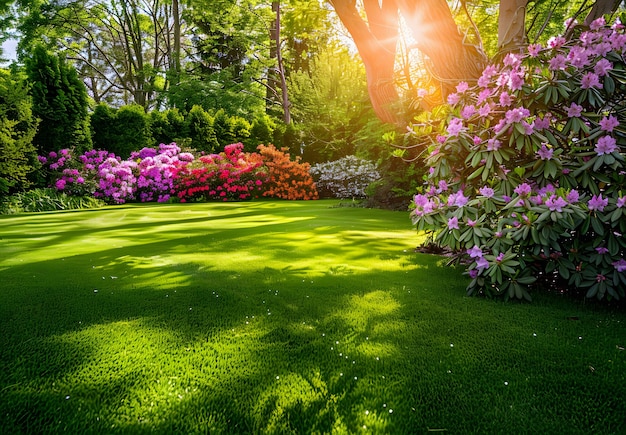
161 175
527 171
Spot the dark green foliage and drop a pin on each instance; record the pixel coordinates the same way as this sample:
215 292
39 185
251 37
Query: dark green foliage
132 127
59 101
18 156
168 126
201 132
241 130
103 127
261 131
224 127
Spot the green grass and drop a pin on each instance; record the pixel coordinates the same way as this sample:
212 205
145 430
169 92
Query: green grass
281 317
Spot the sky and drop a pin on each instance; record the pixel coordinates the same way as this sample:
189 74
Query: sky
8 49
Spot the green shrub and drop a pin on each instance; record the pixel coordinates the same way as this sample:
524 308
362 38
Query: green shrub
18 155
46 199
201 132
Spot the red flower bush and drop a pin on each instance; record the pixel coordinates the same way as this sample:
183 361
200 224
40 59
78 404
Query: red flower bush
229 175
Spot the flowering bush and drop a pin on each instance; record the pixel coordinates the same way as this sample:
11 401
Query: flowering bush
527 170
156 171
67 173
347 177
287 179
230 175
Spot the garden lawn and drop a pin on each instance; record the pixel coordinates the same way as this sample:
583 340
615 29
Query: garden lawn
281 317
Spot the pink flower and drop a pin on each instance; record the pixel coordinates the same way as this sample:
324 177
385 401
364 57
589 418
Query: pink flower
453 99
484 110
590 80
605 145
517 114
597 24
462 87
621 202
500 257
523 189
543 123
455 127
545 153
493 144
453 223
534 49
620 265
475 252
482 264
505 99
602 67
468 111
557 63
574 111
573 196
597 203
556 41
556 203
608 124
486 191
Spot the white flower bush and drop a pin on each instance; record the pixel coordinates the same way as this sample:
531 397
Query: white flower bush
345 178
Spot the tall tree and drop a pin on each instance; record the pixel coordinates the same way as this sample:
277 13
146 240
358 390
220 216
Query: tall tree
123 49
59 101
451 56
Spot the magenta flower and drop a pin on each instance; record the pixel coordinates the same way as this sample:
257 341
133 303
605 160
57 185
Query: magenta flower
608 124
455 127
602 250
462 87
602 67
493 144
500 257
597 203
574 111
482 264
505 99
486 191
545 153
556 41
453 223
475 252
558 62
468 111
590 80
556 203
534 49
573 196
621 202
620 265
453 99
517 114
484 110
605 145
523 189
542 123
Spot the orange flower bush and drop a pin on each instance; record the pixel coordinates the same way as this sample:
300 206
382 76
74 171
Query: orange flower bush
287 179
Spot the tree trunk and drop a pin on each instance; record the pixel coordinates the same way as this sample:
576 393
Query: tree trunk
452 58
376 44
280 66
511 25
600 8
